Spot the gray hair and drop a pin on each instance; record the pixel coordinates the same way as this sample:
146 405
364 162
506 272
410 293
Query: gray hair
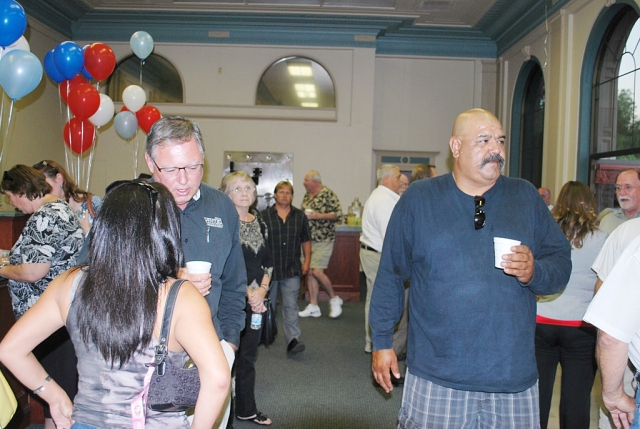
385 170
173 130
315 176
234 176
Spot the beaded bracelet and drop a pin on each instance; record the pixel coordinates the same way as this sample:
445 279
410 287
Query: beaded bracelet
41 388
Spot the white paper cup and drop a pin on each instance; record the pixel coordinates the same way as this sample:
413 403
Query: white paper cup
502 246
308 211
198 267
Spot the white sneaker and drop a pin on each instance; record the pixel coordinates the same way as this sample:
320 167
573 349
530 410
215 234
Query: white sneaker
312 310
335 307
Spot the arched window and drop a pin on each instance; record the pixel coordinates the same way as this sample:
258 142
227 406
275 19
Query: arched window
615 97
157 76
296 82
528 130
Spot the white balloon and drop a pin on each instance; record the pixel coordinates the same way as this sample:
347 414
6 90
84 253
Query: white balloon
134 97
21 44
105 111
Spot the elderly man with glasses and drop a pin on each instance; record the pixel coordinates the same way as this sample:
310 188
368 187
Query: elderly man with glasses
628 195
209 226
470 357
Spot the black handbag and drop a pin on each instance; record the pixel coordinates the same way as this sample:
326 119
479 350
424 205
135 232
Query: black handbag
172 387
269 325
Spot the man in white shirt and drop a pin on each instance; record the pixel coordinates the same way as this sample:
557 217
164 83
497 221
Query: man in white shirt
619 239
375 217
614 311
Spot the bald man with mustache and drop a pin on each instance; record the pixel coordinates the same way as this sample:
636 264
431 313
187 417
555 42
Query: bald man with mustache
470 356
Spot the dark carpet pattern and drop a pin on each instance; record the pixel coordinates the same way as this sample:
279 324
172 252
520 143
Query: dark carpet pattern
329 385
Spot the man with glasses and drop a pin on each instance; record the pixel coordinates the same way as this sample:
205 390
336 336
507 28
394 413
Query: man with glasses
470 356
209 226
628 195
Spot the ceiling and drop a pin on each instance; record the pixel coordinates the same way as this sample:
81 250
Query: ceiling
450 28
424 12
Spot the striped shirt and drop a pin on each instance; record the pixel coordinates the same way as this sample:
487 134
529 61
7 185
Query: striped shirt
284 241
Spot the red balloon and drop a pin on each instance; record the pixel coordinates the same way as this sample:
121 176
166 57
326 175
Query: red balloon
66 85
125 109
83 100
79 135
147 116
99 60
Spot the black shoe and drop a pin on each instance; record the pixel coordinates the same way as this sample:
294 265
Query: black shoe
397 381
295 347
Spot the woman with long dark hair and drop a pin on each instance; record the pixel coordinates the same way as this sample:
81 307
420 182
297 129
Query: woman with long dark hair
561 335
113 310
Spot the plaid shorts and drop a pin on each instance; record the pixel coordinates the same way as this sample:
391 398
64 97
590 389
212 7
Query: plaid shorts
426 405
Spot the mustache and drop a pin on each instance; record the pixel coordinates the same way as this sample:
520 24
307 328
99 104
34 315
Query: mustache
495 157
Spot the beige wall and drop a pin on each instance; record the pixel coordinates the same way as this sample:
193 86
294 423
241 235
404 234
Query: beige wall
560 51
418 99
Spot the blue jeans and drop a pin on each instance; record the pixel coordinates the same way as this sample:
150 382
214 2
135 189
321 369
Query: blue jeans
290 289
82 426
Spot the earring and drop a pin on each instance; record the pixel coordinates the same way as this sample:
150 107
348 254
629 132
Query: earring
61 186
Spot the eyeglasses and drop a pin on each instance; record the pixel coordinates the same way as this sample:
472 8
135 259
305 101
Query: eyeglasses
42 165
627 188
239 189
153 192
479 218
191 170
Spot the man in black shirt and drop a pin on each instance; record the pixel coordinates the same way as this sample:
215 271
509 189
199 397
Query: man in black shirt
288 231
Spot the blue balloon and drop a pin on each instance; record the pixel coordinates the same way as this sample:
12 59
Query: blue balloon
84 71
50 68
86 74
126 124
141 44
69 59
13 22
20 73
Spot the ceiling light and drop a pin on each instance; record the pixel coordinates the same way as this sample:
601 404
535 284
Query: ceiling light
309 104
300 70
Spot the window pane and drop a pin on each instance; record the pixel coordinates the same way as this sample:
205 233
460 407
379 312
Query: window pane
296 82
160 79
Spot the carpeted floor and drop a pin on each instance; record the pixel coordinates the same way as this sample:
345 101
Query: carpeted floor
329 385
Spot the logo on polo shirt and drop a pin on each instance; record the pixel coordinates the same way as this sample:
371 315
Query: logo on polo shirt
216 222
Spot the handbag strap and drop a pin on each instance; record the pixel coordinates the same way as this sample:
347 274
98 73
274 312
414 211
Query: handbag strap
162 348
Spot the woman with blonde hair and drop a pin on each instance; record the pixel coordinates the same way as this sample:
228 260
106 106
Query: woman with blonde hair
239 186
561 335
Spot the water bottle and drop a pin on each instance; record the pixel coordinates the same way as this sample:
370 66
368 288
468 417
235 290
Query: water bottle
256 321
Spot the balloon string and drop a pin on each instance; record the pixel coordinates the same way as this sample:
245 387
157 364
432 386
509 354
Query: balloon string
141 64
1 122
6 128
90 162
135 155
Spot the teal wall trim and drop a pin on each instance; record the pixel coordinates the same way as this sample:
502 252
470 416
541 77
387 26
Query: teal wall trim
516 116
509 21
588 70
